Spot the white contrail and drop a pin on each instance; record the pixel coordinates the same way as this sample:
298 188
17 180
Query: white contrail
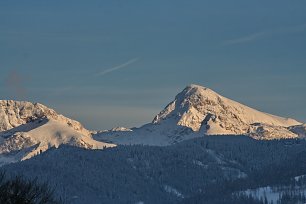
117 67
255 36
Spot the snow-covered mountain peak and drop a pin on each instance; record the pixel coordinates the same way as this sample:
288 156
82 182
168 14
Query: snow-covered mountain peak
27 129
193 92
16 113
199 111
200 108
196 87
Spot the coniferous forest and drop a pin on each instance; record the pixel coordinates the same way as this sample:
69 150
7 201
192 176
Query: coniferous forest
212 169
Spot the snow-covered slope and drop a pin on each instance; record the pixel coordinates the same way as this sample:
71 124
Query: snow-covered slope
16 113
198 107
300 130
27 129
198 111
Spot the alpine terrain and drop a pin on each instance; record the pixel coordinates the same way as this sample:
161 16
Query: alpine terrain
199 111
202 148
27 129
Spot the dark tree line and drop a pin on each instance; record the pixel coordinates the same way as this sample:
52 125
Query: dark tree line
17 190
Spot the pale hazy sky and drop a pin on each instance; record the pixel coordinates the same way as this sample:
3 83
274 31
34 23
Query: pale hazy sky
118 63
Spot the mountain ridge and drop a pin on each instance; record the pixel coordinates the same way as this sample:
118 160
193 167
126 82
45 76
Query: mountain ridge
197 111
28 129
196 104
15 113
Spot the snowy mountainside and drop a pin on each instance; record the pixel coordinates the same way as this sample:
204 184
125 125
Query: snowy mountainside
28 129
299 130
292 191
197 107
16 113
149 134
199 111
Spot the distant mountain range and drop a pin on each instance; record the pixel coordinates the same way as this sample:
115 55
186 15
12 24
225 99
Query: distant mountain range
202 148
27 129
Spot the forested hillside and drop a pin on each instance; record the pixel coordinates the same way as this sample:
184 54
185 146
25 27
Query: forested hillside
198 170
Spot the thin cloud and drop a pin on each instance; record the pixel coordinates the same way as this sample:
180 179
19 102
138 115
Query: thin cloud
266 33
245 39
121 66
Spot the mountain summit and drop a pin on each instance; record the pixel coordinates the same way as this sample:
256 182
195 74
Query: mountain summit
200 108
199 111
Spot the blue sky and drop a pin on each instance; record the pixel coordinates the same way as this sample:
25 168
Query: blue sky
118 63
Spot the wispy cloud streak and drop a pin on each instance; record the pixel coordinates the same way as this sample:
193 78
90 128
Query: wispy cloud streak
266 33
245 39
121 66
